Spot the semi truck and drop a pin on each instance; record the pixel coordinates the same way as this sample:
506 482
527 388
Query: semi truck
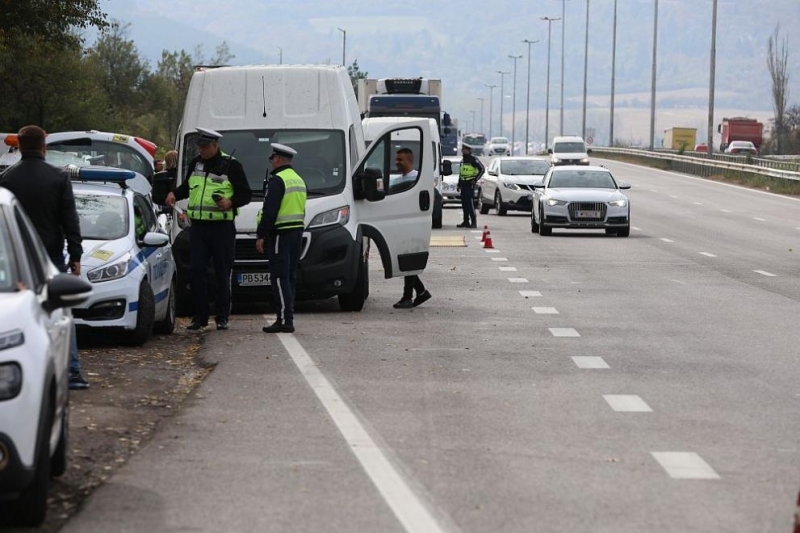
740 129
403 97
680 138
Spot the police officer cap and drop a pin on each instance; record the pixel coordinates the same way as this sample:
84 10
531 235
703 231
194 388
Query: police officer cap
283 151
466 147
207 136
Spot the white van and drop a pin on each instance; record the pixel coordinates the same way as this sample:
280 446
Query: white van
569 150
350 205
373 126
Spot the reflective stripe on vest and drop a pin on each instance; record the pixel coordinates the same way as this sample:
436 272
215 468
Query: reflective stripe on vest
202 188
467 172
292 212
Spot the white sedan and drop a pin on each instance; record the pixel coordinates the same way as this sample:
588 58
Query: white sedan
508 183
35 338
581 197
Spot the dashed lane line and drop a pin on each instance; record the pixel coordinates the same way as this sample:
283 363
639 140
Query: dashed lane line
666 240
530 294
545 310
491 251
627 403
409 509
508 269
564 332
685 465
518 280
707 254
760 219
765 273
500 259
590 362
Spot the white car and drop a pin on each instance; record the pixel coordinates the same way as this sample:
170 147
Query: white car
508 183
35 338
127 255
741 148
450 192
498 146
569 150
581 197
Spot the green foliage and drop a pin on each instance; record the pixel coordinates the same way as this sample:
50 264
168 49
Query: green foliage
356 74
53 21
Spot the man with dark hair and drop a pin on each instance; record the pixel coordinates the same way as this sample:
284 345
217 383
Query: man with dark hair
45 193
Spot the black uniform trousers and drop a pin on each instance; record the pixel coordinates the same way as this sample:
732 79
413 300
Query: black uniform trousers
283 252
412 284
468 202
215 240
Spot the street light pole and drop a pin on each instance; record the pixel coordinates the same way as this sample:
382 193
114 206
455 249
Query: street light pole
473 119
547 105
344 45
563 31
482 100
528 98
710 140
585 70
613 77
514 104
502 97
653 78
280 60
491 107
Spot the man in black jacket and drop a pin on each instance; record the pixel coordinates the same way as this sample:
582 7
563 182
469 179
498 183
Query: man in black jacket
45 193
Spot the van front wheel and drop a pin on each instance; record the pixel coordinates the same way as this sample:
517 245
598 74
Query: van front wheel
354 300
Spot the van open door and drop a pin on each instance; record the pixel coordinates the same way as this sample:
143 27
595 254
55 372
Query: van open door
394 210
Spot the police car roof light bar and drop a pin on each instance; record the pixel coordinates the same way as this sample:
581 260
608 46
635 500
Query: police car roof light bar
101 174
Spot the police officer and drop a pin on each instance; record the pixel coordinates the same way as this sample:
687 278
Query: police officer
280 233
215 186
470 171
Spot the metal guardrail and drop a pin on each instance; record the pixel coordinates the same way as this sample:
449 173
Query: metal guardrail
701 165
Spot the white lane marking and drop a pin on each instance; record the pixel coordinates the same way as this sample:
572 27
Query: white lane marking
698 203
666 240
501 259
653 190
760 219
406 505
545 310
706 254
491 251
679 282
530 294
564 332
725 210
508 269
685 465
476 231
590 361
627 403
765 273
477 237
673 196
518 280
634 228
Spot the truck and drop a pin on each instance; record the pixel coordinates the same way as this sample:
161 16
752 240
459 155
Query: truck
740 129
679 138
476 142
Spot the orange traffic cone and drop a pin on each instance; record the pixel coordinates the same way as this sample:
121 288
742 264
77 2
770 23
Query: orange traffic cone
485 231
487 243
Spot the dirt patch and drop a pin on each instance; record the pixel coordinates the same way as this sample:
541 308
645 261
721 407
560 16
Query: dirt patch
133 392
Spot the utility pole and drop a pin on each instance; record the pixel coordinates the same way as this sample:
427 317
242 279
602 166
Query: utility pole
585 71
710 141
491 107
502 97
473 119
547 106
280 60
563 55
344 45
613 77
653 79
528 98
514 104
482 100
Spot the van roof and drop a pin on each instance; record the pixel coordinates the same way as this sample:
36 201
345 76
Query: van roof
568 138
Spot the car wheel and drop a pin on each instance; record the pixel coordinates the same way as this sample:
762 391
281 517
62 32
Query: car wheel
534 225
167 326
354 301
484 206
32 503
624 232
145 316
498 205
544 230
58 463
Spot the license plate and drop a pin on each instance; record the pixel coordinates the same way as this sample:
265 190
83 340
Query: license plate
449 187
587 214
252 279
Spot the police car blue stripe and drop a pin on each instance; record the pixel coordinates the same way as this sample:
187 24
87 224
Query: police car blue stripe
133 306
162 295
140 257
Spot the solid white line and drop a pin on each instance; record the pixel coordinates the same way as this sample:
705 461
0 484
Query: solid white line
587 361
563 332
666 240
627 403
545 310
530 294
406 505
685 465
508 269
706 254
698 203
725 210
760 219
765 273
518 280
501 259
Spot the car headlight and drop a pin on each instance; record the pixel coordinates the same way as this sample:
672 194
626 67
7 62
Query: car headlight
10 380
340 215
555 160
110 272
11 339
618 203
553 201
585 160
512 186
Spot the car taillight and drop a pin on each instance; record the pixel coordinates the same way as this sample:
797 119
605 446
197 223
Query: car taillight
147 145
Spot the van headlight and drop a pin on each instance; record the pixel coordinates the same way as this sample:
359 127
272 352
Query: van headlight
110 272
585 160
555 160
619 203
10 380
340 215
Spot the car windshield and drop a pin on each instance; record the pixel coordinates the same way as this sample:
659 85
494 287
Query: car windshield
588 179
499 140
6 261
474 140
320 158
524 167
100 153
569 148
102 218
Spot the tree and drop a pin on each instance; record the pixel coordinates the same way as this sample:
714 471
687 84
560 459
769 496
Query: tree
777 60
53 21
356 74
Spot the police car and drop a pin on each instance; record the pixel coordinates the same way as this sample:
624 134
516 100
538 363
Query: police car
127 256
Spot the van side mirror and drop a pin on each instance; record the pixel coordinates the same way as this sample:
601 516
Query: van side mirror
447 168
549 150
369 185
446 131
446 120
588 151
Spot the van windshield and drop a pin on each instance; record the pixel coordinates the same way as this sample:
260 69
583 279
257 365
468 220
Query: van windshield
320 158
569 148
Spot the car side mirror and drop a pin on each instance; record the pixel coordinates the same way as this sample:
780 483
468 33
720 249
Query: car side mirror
66 290
588 151
492 172
447 168
447 120
549 150
623 185
155 239
369 185
538 185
